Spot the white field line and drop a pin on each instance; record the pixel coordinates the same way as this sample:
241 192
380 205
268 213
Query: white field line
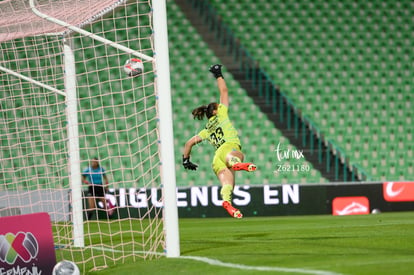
259 268
230 265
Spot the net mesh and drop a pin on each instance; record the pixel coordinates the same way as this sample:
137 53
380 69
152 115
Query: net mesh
117 119
17 19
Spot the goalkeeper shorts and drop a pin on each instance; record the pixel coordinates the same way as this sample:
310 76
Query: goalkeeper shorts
219 160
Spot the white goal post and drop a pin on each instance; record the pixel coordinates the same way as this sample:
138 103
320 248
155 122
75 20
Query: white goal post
45 20
166 127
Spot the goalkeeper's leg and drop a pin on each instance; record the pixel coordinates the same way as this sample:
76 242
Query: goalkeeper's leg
226 178
227 160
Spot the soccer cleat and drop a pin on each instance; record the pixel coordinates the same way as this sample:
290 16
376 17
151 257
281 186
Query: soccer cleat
246 166
234 212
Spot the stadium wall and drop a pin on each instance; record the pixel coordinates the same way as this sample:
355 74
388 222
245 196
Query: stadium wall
252 200
273 200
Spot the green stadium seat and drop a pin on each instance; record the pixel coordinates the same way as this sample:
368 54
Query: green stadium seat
372 51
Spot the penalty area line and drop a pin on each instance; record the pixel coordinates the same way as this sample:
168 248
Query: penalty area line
229 265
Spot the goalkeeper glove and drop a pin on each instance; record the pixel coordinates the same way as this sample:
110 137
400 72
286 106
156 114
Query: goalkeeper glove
216 70
188 164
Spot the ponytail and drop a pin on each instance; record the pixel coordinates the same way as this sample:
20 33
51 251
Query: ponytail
200 112
206 110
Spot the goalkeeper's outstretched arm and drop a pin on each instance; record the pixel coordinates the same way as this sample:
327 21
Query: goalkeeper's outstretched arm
221 83
187 151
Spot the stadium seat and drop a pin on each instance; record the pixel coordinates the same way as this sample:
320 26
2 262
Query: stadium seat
360 47
198 89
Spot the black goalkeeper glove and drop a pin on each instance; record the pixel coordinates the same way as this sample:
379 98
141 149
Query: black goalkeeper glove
188 164
216 70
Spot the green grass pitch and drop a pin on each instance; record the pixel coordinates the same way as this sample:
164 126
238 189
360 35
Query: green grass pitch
364 244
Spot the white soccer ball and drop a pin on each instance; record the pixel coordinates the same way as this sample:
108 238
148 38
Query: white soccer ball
375 211
66 268
134 67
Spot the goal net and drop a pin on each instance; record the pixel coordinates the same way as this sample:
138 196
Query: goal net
66 100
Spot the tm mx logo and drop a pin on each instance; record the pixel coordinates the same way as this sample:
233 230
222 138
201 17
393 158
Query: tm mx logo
22 245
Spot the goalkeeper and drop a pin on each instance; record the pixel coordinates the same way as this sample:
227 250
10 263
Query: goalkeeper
94 176
219 131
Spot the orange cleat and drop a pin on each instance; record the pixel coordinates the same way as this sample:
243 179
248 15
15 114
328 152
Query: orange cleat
234 212
246 166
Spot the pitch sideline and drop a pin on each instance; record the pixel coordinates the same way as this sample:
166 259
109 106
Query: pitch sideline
231 265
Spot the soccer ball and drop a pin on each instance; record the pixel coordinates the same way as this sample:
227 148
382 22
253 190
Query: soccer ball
66 268
134 67
375 211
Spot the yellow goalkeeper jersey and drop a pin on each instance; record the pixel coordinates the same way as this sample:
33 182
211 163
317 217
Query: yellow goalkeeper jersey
219 129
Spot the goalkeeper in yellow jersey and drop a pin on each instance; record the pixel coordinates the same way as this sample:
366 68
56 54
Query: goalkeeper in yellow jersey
220 132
